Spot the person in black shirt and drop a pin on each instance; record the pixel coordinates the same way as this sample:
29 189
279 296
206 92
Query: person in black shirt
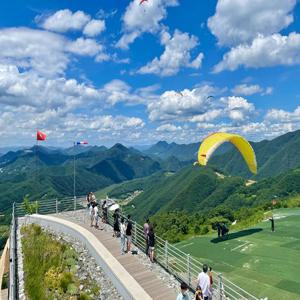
272 224
104 212
151 243
129 232
116 217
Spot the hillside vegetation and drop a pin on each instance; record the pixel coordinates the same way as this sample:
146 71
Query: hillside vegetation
273 156
51 173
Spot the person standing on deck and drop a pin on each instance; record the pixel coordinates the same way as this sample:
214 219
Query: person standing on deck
204 283
146 230
151 243
129 232
123 235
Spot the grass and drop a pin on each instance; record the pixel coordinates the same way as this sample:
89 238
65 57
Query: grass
50 267
262 262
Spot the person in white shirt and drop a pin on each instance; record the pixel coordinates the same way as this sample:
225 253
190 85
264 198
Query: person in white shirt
91 213
96 215
122 235
204 282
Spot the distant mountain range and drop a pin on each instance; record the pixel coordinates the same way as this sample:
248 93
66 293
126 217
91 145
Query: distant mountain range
273 157
43 172
50 172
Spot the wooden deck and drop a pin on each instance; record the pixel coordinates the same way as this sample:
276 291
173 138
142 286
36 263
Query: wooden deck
147 279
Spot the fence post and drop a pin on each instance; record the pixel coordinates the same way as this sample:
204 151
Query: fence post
166 255
135 239
220 290
36 207
188 270
74 203
56 206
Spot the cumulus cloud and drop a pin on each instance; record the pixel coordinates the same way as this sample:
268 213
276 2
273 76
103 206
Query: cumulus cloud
176 55
236 22
267 51
87 47
29 89
64 20
168 128
187 103
44 52
280 115
94 27
143 18
119 91
246 90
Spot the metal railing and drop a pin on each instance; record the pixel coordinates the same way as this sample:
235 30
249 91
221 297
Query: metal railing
184 266
178 263
13 280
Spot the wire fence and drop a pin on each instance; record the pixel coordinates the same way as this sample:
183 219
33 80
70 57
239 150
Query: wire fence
182 265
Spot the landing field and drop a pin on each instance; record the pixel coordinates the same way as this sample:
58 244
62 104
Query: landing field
264 263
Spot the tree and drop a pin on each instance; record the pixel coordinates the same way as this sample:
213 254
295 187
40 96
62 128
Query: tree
30 207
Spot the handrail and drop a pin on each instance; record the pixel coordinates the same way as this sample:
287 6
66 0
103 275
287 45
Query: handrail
180 264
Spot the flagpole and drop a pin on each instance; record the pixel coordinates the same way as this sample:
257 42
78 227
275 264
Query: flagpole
74 172
36 160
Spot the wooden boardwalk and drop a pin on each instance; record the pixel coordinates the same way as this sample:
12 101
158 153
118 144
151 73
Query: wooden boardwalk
147 279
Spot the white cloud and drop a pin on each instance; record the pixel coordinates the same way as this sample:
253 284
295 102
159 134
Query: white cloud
237 21
94 27
175 56
87 47
174 105
31 90
143 18
64 20
238 108
246 90
267 51
208 116
168 128
282 116
44 52
251 89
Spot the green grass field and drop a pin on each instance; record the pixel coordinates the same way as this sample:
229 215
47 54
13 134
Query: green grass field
264 263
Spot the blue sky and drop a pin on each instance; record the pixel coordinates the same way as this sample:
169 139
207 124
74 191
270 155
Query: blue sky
118 71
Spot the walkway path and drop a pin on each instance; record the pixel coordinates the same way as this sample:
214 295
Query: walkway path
149 281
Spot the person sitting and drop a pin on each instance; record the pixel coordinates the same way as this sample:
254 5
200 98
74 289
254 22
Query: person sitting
183 295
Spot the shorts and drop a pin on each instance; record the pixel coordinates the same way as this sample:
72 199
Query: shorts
151 248
129 238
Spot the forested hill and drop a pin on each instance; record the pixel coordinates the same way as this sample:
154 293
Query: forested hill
273 156
198 189
51 173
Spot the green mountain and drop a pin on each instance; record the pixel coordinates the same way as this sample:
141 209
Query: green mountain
198 189
273 157
183 152
50 173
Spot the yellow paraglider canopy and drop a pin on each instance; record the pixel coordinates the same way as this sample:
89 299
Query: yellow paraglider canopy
213 141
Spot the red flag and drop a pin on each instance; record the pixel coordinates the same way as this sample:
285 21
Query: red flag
40 136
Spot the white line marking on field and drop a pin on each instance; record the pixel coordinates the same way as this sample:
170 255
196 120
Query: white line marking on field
187 245
247 242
